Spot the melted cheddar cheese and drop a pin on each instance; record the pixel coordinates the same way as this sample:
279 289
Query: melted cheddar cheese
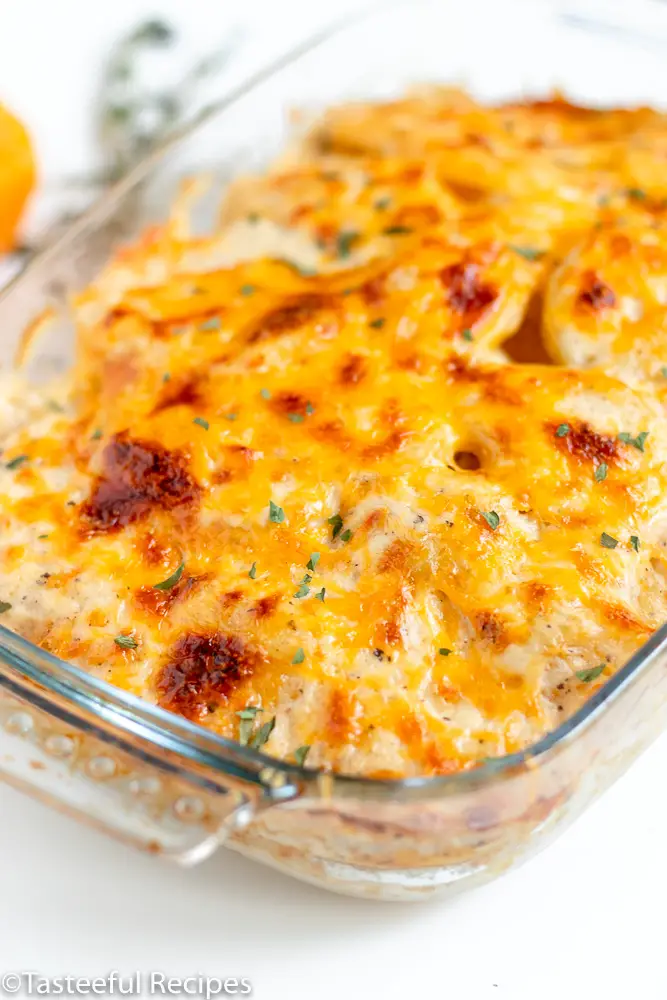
374 471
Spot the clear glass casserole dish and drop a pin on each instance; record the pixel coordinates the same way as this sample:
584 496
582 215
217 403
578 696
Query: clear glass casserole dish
173 788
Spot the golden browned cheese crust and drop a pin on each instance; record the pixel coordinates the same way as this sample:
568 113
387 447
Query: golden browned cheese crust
296 489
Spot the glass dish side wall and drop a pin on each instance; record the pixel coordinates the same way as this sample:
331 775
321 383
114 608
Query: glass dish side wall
366 838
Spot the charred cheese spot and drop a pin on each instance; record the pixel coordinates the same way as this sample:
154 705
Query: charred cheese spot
585 444
468 294
160 602
137 477
594 294
353 370
202 669
293 316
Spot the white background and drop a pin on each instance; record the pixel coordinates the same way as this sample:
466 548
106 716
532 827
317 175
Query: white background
584 920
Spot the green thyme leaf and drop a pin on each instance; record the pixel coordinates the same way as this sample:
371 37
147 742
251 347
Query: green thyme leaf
276 513
252 572
252 218
126 642
247 289
42 536
346 535
444 651
230 416
265 393
296 418
261 737
245 730
491 518
249 712
562 430
636 442
4 606
467 335
397 230
172 580
213 323
382 204
320 595
202 423
301 753
601 472
634 541
336 523
310 409
590 675
528 253
636 193
378 323
305 272
663 371
344 242
16 462
96 435
299 656
313 561
608 541
303 590
166 377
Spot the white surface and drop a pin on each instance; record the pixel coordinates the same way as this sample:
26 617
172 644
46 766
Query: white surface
581 921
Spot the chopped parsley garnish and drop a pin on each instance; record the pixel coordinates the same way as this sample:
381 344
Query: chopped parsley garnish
126 642
562 430
397 230
299 656
166 376
262 735
296 418
378 323
42 536
252 572
589 675
172 580
345 241
276 513
346 535
304 589
491 518
252 218
4 606
636 193
444 651
382 204
313 561
636 442
265 393
663 371
300 754
96 435
247 289
310 409
16 462
608 541
202 423
528 253
230 416
467 334
320 595
247 717
336 523
634 541
601 472
213 323
305 272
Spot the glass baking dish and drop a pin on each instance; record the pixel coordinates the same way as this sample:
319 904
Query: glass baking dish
168 786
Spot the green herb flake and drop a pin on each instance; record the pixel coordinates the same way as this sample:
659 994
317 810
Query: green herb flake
252 218
299 656
15 463
201 422
378 323
247 290
586 676
42 536
252 572
231 416
172 580
249 712
296 418
467 335
305 272
608 541
126 642
637 194
528 253
663 371
247 716
265 393
301 753
634 541
601 472
562 430
444 651
336 523
382 204
321 594
310 409
261 737
303 590
346 535
4 606
636 442
212 323
166 377
397 230
276 513
313 561
491 518
345 241
96 435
